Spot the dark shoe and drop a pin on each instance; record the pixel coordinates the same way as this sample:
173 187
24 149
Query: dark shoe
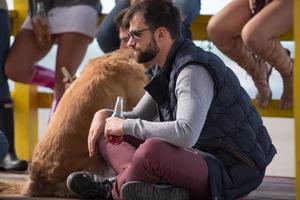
89 186
12 163
3 146
138 190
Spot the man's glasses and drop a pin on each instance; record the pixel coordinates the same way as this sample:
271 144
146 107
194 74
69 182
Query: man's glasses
137 34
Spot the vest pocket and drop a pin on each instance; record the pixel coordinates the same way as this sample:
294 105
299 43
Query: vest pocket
237 153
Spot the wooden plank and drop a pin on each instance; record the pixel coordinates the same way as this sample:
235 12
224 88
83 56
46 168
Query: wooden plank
275 188
272 187
17 197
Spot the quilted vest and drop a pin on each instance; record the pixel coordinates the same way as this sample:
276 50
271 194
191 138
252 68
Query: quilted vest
238 145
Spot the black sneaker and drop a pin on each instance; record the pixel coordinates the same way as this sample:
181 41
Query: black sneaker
138 190
89 185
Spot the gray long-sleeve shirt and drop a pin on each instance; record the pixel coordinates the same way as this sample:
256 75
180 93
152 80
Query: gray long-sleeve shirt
194 92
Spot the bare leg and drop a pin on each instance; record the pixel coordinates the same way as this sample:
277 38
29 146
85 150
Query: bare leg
261 36
24 52
70 53
224 30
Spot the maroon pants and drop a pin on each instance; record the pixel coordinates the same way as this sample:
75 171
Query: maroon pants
154 161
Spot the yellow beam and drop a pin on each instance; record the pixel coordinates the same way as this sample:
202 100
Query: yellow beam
44 100
26 120
297 93
198 26
13 19
21 7
272 110
199 32
25 106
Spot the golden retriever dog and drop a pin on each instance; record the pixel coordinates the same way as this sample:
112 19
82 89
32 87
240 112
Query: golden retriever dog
63 148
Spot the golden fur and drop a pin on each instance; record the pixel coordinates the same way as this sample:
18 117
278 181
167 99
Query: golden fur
63 148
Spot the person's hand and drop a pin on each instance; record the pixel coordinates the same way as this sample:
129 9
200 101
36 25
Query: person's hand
41 30
133 1
68 82
96 129
113 130
257 5
252 5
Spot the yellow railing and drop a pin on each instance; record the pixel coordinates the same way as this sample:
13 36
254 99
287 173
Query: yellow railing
297 93
27 100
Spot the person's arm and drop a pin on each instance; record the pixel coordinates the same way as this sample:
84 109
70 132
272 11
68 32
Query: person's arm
145 109
194 92
32 6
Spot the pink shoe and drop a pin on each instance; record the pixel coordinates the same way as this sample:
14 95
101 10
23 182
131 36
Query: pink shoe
43 77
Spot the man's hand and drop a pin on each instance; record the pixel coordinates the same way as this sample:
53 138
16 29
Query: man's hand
113 130
96 129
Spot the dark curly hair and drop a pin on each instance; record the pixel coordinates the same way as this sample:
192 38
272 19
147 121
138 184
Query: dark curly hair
158 13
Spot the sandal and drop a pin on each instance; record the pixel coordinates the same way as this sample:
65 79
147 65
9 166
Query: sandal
261 81
286 100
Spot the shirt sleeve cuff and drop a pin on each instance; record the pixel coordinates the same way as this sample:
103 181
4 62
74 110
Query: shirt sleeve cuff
128 127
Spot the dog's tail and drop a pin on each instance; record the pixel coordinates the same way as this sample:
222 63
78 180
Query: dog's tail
8 187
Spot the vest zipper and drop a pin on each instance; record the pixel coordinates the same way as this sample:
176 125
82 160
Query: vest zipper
238 154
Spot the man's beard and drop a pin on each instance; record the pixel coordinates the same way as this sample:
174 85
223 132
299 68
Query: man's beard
148 54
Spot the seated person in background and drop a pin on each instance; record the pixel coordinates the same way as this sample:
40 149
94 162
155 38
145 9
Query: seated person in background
122 24
71 24
210 142
248 33
107 35
11 161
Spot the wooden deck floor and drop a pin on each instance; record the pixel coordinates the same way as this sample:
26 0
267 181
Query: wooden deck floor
272 188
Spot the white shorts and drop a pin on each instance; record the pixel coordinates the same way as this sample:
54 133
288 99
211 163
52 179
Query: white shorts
79 19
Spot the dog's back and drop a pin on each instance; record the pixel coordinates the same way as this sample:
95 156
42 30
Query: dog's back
63 149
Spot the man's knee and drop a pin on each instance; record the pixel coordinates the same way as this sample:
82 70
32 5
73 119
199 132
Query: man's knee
150 150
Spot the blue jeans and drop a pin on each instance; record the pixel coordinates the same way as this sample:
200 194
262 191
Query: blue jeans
189 10
108 35
3 146
108 38
4 44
